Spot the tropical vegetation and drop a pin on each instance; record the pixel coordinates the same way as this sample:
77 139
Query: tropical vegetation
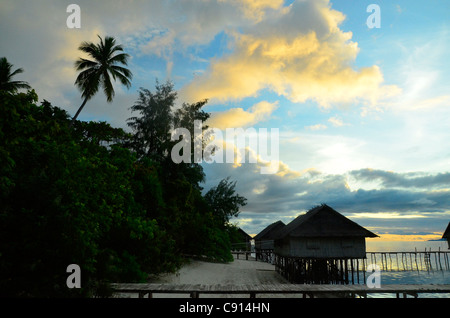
6 76
97 71
111 201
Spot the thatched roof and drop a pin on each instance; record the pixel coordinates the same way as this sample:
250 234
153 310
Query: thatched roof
447 232
269 232
323 221
245 237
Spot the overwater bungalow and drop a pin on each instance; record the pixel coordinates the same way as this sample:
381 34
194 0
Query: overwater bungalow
243 241
446 235
322 233
264 241
315 246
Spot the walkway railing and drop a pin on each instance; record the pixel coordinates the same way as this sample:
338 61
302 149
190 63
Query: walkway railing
388 261
195 290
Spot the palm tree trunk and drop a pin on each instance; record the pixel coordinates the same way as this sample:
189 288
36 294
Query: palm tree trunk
79 111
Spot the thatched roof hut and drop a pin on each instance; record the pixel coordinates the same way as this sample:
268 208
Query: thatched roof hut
244 236
446 234
322 233
240 240
265 239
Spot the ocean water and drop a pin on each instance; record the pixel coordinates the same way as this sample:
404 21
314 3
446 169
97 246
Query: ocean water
408 269
372 245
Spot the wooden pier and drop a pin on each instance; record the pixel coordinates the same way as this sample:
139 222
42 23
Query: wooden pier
261 255
319 271
300 270
305 290
398 261
415 261
245 254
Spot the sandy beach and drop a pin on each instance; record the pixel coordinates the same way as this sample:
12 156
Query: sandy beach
239 272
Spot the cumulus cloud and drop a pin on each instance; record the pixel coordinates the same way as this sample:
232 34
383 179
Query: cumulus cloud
35 37
255 9
39 41
410 180
396 210
336 121
316 127
298 52
238 117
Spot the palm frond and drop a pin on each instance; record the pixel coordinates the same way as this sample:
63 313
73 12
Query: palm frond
120 58
20 84
18 71
6 75
122 74
88 82
98 71
91 49
82 64
108 88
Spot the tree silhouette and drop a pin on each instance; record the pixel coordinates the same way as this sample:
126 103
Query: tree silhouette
6 75
224 201
153 127
97 72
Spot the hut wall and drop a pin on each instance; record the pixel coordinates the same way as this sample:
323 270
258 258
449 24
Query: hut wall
264 245
320 247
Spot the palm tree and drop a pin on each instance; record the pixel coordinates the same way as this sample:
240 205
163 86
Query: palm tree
6 76
98 72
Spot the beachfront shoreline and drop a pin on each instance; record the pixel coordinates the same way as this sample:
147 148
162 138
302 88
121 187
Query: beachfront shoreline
249 272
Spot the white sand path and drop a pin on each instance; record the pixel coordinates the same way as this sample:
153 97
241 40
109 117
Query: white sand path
239 272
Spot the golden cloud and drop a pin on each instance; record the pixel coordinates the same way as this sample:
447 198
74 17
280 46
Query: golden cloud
299 60
238 117
255 9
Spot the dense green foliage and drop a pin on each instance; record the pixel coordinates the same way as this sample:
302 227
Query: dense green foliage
110 201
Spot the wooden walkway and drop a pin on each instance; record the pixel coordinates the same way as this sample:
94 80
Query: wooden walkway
397 261
194 290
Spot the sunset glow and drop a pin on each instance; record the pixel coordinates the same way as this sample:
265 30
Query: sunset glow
362 110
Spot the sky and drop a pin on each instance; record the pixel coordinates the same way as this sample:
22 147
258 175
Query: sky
362 112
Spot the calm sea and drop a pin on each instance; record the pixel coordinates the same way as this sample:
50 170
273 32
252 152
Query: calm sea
372 245
407 269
